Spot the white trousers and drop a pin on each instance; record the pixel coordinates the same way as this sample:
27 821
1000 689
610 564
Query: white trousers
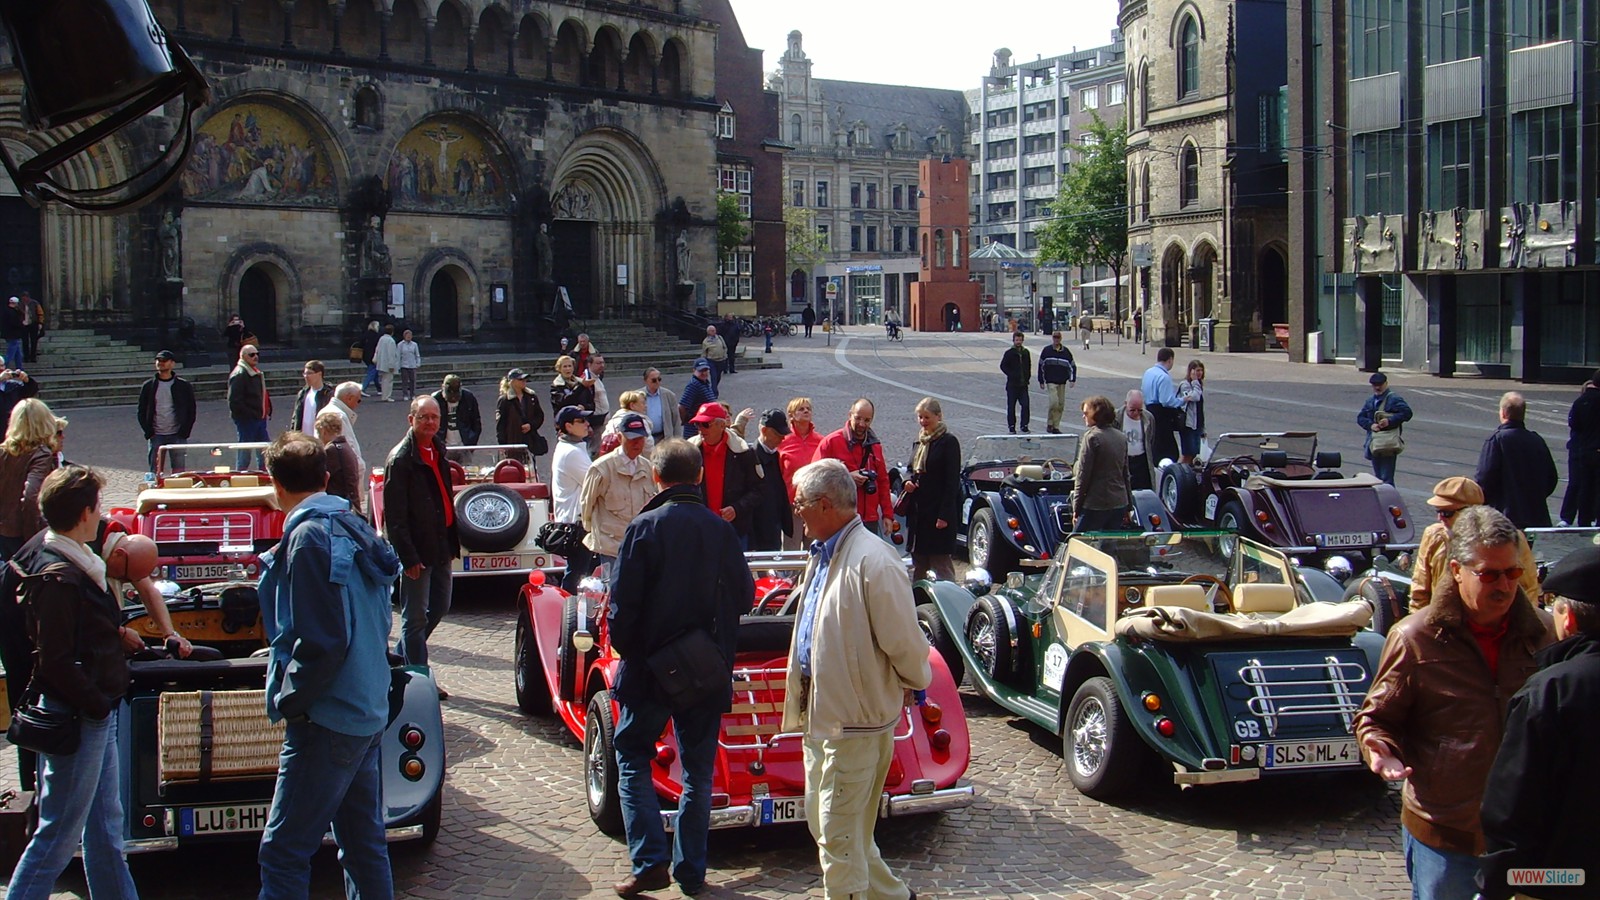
844 782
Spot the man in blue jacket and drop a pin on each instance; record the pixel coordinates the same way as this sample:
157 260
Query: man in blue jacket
325 605
1383 411
657 595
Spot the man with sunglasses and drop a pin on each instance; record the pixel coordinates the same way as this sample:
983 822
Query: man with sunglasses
1432 566
249 403
660 407
1435 712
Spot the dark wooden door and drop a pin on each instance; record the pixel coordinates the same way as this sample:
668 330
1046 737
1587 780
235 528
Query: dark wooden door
21 248
443 305
258 304
573 263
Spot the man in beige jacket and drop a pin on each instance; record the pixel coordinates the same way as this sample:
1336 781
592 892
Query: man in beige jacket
856 656
616 487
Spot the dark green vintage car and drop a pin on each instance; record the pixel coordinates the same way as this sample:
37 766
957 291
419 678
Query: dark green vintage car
1198 653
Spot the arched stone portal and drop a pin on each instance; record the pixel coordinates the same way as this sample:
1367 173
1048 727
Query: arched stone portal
1174 308
445 291
258 300
607 190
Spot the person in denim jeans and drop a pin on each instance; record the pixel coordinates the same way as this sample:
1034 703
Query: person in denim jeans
76 625
656 596
325 606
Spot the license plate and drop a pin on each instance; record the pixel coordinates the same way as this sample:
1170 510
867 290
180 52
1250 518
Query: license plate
200 820
777 810
1347 539
1310 754
219 572
501 562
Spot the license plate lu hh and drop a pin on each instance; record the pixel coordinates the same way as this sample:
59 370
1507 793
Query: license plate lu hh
201 820
1310 754
1347 539
777 810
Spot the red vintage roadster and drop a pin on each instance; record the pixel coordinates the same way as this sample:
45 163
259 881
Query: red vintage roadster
564 666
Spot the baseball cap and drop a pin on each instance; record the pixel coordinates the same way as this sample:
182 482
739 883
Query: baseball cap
633 426
516 375
165 354
1378 378
710 412
1455 492
702 363
776 420
570 413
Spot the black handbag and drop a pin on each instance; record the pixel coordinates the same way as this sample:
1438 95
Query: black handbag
43 730
560 538
689 669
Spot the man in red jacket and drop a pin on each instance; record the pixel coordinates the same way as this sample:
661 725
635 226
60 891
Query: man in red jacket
859 449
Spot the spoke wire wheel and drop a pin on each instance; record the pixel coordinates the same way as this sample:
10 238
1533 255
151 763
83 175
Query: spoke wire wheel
980 541
488 511
981 636
1089 738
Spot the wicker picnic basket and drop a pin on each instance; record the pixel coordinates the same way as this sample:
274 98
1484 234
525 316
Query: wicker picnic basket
216 736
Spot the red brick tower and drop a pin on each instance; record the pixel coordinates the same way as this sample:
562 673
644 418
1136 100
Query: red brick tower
944 298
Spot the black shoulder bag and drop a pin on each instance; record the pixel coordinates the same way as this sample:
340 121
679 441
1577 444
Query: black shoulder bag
689 667
45 730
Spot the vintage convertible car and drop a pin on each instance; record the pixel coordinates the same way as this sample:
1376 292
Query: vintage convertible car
1278 489
500 506
564 665
210 519
1196 653
199 756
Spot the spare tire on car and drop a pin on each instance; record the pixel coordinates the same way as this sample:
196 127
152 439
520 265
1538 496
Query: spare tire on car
490 518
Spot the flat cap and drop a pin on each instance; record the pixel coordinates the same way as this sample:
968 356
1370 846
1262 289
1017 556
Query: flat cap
1576 576
1455 492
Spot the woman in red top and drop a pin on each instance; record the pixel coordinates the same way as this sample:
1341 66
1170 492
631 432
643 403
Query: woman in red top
796 450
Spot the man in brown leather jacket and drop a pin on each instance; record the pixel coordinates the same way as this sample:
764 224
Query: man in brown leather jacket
1434 715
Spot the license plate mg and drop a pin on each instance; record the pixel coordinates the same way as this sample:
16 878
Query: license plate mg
218 572
778 810
195 821
1310 755
1347 539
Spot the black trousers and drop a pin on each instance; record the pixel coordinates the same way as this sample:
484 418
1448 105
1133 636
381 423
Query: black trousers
1165 442
1016 394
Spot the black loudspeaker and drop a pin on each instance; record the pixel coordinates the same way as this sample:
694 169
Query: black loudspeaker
82 58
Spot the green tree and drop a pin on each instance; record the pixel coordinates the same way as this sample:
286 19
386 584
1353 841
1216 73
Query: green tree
804 249
1089 220
732 232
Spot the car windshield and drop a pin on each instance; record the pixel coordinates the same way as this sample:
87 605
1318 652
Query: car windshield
1169 555
1023 448
1551 544
1300 446
219 458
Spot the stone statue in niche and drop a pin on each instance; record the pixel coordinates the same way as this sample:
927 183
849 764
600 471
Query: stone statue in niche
374 252
544 253
684 259
170 237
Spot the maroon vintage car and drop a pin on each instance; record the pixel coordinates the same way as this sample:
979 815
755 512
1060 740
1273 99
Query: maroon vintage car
1279 490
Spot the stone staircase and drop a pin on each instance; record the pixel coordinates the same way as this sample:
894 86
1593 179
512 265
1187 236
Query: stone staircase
80 367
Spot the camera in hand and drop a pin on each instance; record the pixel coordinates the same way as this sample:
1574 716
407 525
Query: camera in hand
871 487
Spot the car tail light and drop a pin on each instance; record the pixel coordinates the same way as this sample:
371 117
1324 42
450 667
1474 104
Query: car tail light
1013 522
897 773
940 740
719 801
1044 554
1038 630
665 755
1165 727
148 821
411 767
1151 701
1018 534
536 578
931 713
1155 521
412 738
1261 515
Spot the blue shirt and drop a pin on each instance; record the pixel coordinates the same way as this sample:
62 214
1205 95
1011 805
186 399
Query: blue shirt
823 552
1159 388
698 392
653 412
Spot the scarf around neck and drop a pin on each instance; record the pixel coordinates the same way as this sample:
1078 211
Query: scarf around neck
919 453
79 555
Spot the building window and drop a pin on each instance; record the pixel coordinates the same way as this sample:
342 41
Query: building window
822 195
1455 30
1036 209
825 238
1189 176
1378 172
1133 195
899 239
1535 22
725 122
1272 122
872 239
1144 92
1189 58
737 180
1030 240
1038 176
1088 139
897 196
1144 191
1090 98
797 129
1547 141
855 238
1454 177
797 192
912 195
1377 28
872 195
1002 212
855 195
1116 93
939 257
734 278
1002 149
999 181
1038 143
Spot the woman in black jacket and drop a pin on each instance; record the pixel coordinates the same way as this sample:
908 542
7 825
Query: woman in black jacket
568 389
933 494
518 416
76 625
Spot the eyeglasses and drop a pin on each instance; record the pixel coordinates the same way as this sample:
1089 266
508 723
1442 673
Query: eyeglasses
702 425
251 355
656 380
1448 514
1490 576
802 503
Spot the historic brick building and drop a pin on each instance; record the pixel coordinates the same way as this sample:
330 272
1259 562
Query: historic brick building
1206 171
455 163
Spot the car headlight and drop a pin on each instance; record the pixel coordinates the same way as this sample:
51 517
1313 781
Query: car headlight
977 581
1339 568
